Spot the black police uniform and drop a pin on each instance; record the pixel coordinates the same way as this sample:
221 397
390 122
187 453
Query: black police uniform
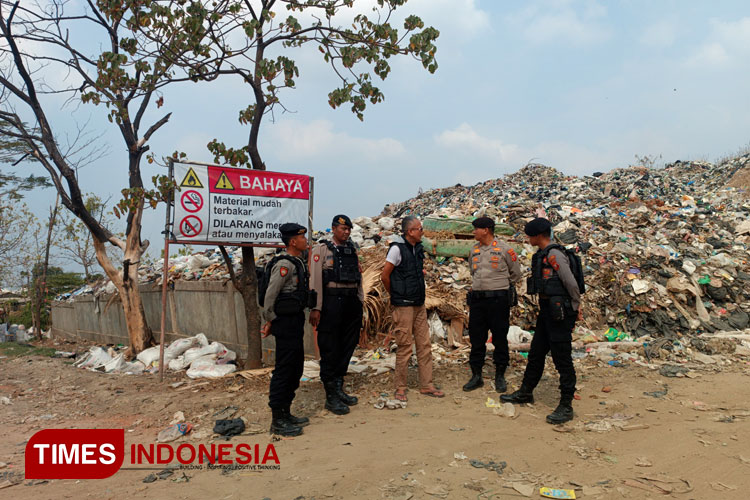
285 302
554 327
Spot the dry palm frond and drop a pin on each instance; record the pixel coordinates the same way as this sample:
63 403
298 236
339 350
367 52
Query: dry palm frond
375 318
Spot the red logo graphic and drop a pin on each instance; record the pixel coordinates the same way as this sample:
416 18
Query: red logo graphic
74 453
283 271
316 258
191 226
192 201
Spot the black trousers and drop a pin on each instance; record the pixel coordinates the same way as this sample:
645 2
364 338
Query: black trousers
553 337
492 313
289 331
338 334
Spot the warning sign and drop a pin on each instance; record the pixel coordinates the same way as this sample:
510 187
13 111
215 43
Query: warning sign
191 226
191 201
238 205
191 180
223 183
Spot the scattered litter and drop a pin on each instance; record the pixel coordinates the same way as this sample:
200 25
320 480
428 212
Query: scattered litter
556 493
391 404
173 432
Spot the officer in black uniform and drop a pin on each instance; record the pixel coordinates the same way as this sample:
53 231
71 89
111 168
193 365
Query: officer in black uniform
559 306
336 277
285 300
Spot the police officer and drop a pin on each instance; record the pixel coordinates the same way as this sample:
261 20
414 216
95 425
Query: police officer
336 276
559 306
495 270
284 312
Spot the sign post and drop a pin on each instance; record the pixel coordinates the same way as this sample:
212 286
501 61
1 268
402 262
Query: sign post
218 205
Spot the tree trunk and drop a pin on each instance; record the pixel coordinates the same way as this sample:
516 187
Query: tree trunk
139 333
249 291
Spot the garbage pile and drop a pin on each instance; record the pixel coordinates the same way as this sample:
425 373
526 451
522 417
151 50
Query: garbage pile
201 359
665 250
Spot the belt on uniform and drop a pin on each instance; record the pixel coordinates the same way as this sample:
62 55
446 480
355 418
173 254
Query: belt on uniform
340 292
486 294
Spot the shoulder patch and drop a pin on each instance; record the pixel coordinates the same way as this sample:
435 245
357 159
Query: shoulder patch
316 257
553 262
283 271
512 254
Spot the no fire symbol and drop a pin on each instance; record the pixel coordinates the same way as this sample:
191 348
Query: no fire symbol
192 201
191 226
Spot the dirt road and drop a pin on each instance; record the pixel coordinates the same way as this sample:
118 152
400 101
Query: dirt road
691 443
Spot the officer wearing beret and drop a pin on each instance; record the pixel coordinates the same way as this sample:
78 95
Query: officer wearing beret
559 307
495 270
336 276
284 312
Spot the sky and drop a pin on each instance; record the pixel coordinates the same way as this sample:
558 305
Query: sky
579 85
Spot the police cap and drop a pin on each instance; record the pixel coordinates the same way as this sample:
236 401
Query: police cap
537 226
292 229
341 219
483 223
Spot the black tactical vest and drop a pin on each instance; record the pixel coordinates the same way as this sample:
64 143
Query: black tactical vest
545 279
407 279
345 264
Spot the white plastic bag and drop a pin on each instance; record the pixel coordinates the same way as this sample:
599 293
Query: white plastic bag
517 335
95 358
149 356
196 352
206 367
437 330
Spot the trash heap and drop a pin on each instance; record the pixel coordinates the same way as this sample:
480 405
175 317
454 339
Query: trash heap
665 250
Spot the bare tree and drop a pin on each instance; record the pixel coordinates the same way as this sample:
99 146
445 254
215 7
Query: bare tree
115 65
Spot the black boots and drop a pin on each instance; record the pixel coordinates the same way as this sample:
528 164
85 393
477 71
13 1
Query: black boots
522 395
300 421
334 404
500 385
475 382
563 413
344 397
281 425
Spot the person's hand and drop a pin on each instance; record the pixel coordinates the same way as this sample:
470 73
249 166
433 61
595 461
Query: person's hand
314 317
580 313
265 331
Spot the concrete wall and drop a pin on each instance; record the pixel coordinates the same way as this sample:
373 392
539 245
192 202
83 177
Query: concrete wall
193 307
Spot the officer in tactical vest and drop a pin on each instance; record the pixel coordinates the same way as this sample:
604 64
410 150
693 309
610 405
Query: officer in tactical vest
286 297
495 270
403 278
559 307
336 276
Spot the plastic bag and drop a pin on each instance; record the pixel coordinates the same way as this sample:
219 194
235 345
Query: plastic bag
95 358
206 367
437 330
149 356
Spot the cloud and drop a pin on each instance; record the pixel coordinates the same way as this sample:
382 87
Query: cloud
294 140
466 139
492 157
659 35
560 21
727 43
710 54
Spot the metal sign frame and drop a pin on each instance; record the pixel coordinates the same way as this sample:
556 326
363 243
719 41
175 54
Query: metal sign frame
169 237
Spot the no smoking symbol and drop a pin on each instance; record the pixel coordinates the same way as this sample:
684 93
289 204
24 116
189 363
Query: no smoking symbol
191 226
192 201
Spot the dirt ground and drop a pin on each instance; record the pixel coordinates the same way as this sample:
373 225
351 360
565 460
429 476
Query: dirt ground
691 443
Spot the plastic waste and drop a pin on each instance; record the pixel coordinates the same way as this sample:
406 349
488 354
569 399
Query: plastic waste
173 432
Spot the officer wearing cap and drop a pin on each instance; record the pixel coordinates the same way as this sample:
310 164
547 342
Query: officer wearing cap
336 276
559 307
284 312
495 270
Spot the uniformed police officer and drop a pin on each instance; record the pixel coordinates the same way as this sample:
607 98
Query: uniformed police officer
284 312
494 269
336 276
559 307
